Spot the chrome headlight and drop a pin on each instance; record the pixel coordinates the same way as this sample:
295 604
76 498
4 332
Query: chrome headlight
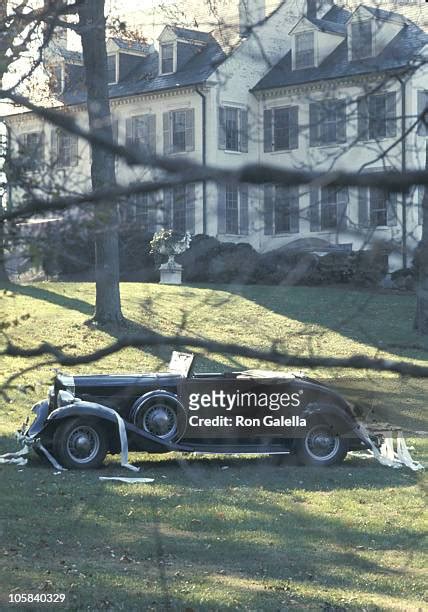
64 398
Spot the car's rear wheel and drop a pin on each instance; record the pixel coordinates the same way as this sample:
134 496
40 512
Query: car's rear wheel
321 446
80 443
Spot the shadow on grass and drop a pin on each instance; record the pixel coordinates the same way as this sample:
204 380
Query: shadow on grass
252 536
351 312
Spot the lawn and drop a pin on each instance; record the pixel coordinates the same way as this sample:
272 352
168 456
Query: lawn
219 533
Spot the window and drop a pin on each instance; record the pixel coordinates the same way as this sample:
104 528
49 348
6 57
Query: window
327 122
167 58
421 193
233 209
376 208
140 211
233 129
111 69
141 133
305 50
328 209
179 208
31 149
179 133
281 129
361 40
57 79
423 106
281 209
377 116
64 148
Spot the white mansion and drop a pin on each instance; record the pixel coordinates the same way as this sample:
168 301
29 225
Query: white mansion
313 87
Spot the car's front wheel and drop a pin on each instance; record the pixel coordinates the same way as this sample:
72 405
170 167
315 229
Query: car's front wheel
321 446
80 443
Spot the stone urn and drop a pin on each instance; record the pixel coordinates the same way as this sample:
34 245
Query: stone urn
167 242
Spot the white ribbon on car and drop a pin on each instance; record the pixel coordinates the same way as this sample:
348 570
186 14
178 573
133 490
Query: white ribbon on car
18 458
387 455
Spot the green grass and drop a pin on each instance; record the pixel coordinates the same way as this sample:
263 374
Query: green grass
254 536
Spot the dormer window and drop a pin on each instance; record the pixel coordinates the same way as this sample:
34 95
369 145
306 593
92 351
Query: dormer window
304 50
167 58
361 39
111 69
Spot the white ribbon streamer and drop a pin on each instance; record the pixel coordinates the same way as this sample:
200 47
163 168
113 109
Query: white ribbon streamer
127 480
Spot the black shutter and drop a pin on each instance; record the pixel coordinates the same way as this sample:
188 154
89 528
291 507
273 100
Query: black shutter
151 134
221 209
166 134
294 209
314 209
423 106
167 207
221 128
293 123
54 145
342 206
391 114
268 209
129 137
341 121
243 209
314 124
267 130
363 206
363 119
243 130
190 207
391 209
74 150
190 130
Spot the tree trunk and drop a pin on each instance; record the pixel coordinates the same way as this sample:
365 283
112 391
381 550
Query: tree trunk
3 273
421 259
93 35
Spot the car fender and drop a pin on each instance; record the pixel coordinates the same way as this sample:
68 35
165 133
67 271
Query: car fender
41 409
335 415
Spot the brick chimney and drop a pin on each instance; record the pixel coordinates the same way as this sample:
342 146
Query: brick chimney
3 11
311 8
59 36
251 12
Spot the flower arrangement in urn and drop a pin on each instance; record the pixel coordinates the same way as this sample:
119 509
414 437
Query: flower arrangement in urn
170 243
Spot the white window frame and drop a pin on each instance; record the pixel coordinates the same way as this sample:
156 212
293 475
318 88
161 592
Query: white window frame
350 38
173 44
116 67
294 54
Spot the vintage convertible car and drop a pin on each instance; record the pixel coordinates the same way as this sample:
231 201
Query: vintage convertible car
253 411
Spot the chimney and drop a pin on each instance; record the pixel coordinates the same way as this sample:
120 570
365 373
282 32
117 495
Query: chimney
251 12
59 35
311 8
3 12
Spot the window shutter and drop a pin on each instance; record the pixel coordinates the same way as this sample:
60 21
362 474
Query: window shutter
221 209
115 130
391 113
391 209
74 151
294 209
166 133
363 206
41 151
151 212
243 209
423 106
267 130
129 140
190 207
293 124
314 209
341 121
190 130
243 130
54 145
151 134
342 206
167 207
268 209
363 119
421 191
314 124
221 128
